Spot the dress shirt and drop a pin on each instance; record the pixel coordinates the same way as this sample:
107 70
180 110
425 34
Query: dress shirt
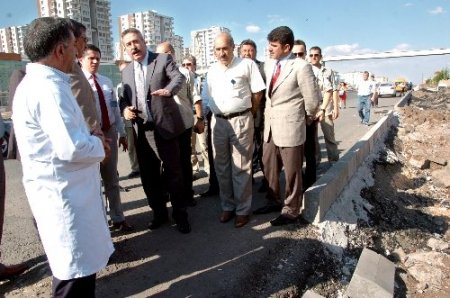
326 81
230 88
110 99
61 173
366 87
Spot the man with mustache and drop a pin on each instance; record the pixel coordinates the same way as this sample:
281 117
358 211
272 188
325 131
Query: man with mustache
235 87
149 84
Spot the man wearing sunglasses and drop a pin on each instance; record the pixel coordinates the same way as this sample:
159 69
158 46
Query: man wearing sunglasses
310 173
329 109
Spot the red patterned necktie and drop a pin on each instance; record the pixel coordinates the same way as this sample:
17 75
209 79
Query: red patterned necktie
275 76
104 110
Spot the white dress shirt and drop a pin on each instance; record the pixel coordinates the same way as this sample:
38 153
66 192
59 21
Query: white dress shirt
110 99
230 88
61 175
366 87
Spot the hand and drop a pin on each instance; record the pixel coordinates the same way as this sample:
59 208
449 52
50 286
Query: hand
124 143
199 126
335 113
320 115
130 113
162 92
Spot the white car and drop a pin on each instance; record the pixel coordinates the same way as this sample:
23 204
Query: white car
387 89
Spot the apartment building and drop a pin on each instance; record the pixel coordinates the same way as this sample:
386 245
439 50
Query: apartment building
155 28
11 39
94 14
203 45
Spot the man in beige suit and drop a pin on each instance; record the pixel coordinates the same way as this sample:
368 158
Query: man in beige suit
291 94
79 84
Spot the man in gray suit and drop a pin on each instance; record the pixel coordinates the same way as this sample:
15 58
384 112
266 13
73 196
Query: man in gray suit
149 84
291 91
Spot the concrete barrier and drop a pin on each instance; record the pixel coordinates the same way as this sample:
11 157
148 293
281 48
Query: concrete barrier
321 195
373 277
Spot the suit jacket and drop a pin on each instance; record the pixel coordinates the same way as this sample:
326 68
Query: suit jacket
162 73
14 80
84 95
294 93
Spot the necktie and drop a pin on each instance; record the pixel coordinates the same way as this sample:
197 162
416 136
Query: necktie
104 110
140 93
275 76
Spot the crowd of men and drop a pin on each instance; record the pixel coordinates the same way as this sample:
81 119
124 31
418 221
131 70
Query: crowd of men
247 115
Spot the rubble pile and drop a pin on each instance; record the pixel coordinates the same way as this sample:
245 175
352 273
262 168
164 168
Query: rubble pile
405 203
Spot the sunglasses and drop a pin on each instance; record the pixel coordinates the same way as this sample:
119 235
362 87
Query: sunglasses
314 55
186 64
298 54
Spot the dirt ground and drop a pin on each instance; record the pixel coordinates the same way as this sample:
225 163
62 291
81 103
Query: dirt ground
399 202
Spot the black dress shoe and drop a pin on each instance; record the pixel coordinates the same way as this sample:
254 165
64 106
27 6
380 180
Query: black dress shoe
183 226
122 226
282 220
268 209
157 222
210 192
133 174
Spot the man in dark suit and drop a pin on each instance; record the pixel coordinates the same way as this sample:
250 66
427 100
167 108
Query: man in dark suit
149 85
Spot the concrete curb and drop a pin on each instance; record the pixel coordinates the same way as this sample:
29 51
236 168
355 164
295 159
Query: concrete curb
373 277
321 195
311 294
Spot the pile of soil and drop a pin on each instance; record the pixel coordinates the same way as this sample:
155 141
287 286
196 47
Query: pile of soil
404 207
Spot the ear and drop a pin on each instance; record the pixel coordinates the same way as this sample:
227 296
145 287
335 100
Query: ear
60 50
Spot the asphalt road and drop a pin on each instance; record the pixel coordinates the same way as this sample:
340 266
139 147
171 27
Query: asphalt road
215 259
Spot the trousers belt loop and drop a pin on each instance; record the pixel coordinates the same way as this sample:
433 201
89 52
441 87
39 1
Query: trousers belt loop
232 115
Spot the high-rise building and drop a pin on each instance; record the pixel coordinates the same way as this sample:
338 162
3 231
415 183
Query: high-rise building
11 39
94 14
203 45
155 28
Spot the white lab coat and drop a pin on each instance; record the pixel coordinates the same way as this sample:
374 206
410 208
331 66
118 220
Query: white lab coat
60 162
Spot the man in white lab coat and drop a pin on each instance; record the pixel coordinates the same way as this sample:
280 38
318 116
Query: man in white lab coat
60 162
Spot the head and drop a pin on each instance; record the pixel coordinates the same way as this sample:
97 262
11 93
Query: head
134 44
372 77
91 59
299 49
248 49
165 48
315 55
190 63
50 41
281 41
365 75
79 31
223 48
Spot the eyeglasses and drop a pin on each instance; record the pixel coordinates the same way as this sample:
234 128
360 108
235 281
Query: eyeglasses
298 54
314 55
186 64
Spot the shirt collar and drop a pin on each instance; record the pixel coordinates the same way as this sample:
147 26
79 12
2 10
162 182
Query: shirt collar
144 61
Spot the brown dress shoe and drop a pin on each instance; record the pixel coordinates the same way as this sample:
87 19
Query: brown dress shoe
226 216
241 220
7 272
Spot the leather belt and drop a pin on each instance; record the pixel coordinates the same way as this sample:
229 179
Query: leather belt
232 115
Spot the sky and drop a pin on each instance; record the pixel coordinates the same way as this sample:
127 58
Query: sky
338 27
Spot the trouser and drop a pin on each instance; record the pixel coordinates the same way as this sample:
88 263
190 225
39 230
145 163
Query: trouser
202 141
364 104
108 171
213 183
290 158
327 126
310 176
132 150
76 287
153 152
2 196
186 165
233 147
